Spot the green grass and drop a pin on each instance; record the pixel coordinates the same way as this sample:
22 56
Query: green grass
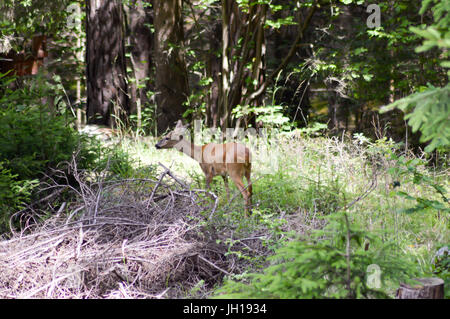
316 174
317 177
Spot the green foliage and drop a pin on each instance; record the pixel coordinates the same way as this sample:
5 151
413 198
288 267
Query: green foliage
319 267
114 160
35 137
271 115
362 68
438 34
313 129
27 17
13 193
441 269
147 121
279 190
430 115
276 24
408 169
326 195
428 111
31 140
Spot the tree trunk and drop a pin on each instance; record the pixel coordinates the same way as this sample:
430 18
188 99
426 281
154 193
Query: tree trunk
243 37
213 67
140 42
225 85
172 87
81 118
428 288
337 113
107 99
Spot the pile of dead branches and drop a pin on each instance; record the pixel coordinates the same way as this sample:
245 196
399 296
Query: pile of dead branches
133 238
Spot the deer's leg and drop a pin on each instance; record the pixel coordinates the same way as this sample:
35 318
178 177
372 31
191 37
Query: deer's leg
240 185
208 180
249 183
225 182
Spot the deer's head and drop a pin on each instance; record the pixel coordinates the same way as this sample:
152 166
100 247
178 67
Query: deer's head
171 139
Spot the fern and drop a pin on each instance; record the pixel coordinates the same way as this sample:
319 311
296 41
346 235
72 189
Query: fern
429 113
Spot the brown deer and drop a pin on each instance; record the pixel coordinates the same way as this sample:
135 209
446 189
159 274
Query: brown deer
231 159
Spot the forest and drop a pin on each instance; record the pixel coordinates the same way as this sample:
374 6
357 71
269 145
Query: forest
331 118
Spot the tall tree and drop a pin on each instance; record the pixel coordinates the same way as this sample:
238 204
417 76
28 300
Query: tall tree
243 37
244 78
107 98
172 87
213 68
140 44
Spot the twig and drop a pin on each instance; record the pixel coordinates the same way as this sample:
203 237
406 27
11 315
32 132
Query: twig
157 185
213 265
53 282
371 187
173 176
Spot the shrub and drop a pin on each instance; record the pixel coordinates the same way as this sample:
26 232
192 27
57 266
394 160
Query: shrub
334 264
34 133
441 268
37 136
13 193
32 139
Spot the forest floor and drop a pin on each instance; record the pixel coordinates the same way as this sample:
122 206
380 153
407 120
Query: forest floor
159 234
298 180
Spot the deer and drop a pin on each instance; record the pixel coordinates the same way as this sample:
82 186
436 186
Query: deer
229 159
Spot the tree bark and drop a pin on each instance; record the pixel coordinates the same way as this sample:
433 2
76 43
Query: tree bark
172 87
79 57
225 85
243 37
428 288
213 70
337 112
107 100
271 77
140 42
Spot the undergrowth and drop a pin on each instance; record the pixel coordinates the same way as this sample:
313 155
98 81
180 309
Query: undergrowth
395 202
317 177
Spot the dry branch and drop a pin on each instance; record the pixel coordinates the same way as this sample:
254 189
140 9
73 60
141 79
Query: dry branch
117 239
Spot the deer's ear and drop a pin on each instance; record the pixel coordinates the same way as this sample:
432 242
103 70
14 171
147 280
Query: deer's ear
179 124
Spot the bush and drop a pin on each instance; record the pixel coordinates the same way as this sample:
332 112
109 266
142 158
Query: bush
32 139
13 193
34 133
114 160
37 136
441 268
334 264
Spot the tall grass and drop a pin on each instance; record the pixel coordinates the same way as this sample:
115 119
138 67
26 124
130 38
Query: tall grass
305 176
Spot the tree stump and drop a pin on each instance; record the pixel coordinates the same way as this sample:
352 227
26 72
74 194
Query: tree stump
426 288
